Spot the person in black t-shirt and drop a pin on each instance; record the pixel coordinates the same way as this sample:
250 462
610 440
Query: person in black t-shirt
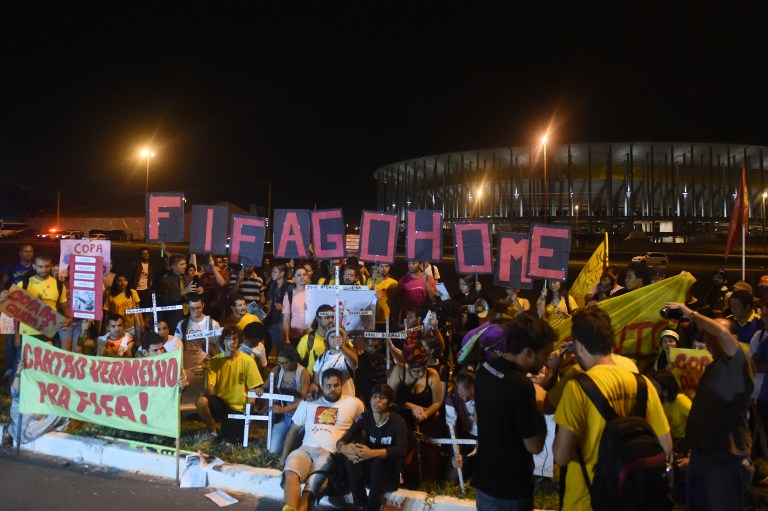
510 426
374 448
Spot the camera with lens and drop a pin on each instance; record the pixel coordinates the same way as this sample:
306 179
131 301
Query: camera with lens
668 313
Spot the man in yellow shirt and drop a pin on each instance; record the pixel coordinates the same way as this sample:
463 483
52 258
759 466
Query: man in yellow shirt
386 294
580 423
312 345
238 313
42 285
230 376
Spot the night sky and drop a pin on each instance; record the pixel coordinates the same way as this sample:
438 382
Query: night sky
315 98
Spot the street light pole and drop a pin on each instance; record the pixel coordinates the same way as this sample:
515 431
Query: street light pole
546 185
765 194
147 153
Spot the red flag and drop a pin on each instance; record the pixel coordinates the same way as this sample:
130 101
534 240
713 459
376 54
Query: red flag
739 219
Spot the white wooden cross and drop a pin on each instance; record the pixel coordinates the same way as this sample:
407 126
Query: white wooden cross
393 335
154 309
271 397
453 441
199 334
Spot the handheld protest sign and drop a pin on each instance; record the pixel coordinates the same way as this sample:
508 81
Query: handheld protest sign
208 232
473 247
328 233
247 239
512 261
30 310
550 249
378 237
71 248
85 281
164 217
424 236
291 233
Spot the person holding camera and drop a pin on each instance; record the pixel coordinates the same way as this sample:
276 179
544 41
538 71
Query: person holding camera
719 471
174 289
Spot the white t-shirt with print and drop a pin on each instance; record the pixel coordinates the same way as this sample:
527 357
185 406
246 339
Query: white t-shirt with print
325 422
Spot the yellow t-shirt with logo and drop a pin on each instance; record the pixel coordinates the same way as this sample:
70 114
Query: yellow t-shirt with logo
232 378
47 290
121 303
577 413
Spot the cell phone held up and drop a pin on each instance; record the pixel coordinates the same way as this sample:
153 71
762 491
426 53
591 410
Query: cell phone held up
668 313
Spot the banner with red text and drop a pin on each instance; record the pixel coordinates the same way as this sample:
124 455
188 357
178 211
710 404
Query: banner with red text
636 318
136 394
688 366
32 311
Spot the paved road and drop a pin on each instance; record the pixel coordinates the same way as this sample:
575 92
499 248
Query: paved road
32 482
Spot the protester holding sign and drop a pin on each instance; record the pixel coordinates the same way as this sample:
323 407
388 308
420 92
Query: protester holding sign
555 303
512 305
174 289
42 285
416 289
340 354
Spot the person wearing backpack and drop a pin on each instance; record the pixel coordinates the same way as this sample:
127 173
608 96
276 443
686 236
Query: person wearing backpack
717 433
41 284
580 442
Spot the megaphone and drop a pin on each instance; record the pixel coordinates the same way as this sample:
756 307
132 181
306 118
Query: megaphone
480 308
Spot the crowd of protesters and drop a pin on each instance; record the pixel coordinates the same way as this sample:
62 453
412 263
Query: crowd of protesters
472 368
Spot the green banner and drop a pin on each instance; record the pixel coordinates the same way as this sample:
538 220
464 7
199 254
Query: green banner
136 394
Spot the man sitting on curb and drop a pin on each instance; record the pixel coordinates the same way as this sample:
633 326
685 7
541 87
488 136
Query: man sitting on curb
325 421
231 375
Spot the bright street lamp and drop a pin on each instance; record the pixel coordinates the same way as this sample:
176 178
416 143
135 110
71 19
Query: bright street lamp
147 153
544 140
765 194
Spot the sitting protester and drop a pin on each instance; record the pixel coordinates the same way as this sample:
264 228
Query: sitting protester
115 343
290 378
374 448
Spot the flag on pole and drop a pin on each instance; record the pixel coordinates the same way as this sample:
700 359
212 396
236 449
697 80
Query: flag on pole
739 218
590 274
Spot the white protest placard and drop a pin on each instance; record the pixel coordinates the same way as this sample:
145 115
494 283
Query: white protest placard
85 281
7 325
101 248
354 300
543 463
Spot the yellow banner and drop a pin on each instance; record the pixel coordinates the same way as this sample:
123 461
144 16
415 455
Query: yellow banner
136 394
688 366
635 316
590 274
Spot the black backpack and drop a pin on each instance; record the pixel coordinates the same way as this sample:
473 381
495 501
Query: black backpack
631 469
